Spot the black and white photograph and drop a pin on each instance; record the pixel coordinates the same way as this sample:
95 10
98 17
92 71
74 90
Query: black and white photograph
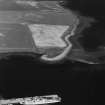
52 52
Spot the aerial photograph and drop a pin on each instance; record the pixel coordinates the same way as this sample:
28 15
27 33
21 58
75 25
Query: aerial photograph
52 52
